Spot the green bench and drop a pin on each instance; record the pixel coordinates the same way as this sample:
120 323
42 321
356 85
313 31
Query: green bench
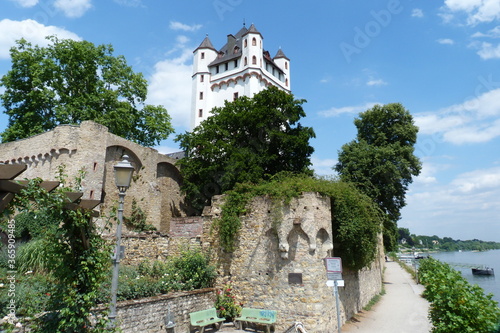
204 318
259 316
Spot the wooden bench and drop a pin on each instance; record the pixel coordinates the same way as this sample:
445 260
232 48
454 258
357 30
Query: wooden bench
259 316
204 318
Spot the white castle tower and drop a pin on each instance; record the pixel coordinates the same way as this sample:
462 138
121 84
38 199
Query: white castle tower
240 68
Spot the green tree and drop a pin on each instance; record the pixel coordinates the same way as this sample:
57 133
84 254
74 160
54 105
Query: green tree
70 81
247 140
381 161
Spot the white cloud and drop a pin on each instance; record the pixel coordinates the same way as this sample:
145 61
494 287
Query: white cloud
378 82
493 33
487 50
446 41
346 109
476 120
32 31
417 12
323 167
477 11
462 208
73 8
26 3
174 25
170 84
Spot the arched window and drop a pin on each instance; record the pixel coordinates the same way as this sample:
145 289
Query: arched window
246 61
246 42
286 65
286 82
254 60
254 41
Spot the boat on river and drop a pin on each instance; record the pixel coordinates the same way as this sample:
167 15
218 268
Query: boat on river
483 271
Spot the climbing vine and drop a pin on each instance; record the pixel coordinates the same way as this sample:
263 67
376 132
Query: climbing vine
356 221
75 254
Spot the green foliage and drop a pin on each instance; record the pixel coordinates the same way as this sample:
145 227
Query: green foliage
71 81
247 140
381 161
191 270
137 220
75 255
456 306
356 220
32 256
226 304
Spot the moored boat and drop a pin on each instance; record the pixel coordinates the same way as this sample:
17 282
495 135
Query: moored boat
483 271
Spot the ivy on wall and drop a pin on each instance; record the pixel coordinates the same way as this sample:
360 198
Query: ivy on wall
356 220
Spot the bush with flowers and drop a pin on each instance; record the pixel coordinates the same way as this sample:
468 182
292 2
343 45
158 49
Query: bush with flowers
226 304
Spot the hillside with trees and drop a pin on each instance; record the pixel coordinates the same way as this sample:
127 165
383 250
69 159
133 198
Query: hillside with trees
436 243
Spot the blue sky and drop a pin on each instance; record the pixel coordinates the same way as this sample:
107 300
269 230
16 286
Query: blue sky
440 59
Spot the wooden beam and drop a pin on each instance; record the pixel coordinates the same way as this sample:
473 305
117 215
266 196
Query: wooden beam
11 171
5 198
89 204
10 186
49 186
73 196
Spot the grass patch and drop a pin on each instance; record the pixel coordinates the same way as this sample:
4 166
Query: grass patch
375 299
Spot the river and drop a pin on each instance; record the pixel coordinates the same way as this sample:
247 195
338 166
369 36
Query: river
462 262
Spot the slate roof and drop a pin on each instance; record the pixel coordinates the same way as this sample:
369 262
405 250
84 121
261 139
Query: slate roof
206 44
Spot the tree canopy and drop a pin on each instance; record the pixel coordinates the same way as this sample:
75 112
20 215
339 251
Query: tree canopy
70 81
381 161
247 140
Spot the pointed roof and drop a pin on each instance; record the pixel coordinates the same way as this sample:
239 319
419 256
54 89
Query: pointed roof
206 44
253 30
280 54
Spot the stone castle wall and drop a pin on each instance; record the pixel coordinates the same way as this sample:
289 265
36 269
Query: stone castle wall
279 263
90 147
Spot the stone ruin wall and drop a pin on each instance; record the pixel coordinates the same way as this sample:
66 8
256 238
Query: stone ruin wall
276 249
156 180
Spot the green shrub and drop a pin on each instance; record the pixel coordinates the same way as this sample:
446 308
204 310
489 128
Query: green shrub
456 305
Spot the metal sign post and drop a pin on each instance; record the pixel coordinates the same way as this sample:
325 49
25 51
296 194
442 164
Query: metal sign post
334 272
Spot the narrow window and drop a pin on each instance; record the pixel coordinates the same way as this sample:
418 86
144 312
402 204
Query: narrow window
246 61
286 82
235 96
95 166
201 94
217 69
202 55
236 63
286 65
226 66
254 60
254 41
202 78
200 113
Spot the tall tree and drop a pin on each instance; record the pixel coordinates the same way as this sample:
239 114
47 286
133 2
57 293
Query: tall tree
70 81
247 140
381 161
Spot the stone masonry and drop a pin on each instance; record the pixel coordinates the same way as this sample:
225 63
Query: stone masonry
90 147
279 263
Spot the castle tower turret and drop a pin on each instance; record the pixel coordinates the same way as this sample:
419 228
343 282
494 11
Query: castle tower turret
240 68
200 95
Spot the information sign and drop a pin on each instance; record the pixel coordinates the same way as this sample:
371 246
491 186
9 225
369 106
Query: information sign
333 265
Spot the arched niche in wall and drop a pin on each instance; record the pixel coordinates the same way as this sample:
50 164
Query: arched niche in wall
298 242
114 154
324 244
168 170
